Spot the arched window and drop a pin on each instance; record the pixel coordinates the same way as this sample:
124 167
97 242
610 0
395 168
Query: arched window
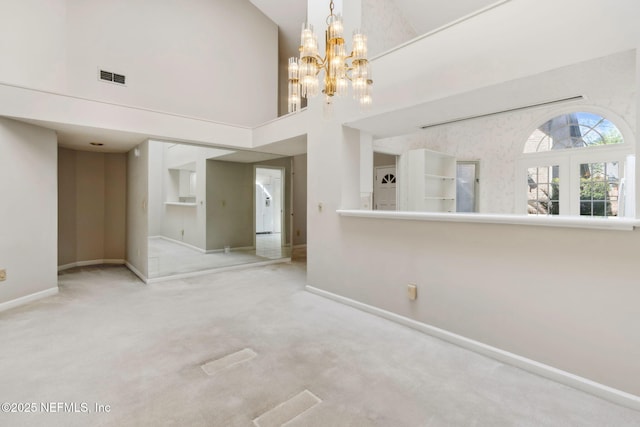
575 165
573 130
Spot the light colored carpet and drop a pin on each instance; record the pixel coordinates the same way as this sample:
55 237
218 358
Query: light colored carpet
109 339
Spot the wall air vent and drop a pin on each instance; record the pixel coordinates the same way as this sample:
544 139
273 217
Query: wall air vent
108 76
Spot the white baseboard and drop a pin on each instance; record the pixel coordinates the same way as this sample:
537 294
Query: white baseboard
241 248
91 262
215 270
600 390
169 239
28 298
136 272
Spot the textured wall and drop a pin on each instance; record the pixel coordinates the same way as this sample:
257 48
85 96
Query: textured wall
497 141
384 25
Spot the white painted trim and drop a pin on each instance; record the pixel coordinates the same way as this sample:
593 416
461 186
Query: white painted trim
27 299
600 390
191 205
195 248
91 262
214 270
442 28
618 224
136 272
115 104
268 122
241 248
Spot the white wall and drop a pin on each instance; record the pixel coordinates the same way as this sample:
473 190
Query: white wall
384 25
548 294
137 208
156 185
500 45
28 212
300 200
497 142
212 59
33 43
183 223
168 220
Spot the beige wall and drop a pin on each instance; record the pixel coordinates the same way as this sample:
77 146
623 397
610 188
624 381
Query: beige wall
229 204
381 159
28 213
115 209
91 206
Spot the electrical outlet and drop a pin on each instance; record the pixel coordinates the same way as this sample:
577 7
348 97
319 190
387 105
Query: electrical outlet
412 291
3 275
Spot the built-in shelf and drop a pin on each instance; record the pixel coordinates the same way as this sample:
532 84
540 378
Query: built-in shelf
427 181
180 204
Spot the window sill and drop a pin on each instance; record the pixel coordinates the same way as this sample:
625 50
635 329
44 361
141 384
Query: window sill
620 224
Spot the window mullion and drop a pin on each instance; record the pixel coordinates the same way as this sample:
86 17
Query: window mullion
572 178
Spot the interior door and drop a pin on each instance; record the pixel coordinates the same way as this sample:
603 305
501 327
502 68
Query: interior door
384 188
467 186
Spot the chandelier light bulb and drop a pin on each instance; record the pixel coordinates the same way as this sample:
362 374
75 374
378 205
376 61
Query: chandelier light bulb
304 71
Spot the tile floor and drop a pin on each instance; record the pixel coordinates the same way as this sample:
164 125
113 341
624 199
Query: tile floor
168 258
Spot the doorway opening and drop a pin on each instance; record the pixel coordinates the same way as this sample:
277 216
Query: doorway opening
269 210
467 183
384 182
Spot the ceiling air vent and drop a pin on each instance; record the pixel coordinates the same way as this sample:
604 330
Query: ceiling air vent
108 76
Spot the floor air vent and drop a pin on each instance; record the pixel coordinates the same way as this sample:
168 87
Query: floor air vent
108 76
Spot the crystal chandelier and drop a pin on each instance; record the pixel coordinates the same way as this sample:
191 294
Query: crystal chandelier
304 71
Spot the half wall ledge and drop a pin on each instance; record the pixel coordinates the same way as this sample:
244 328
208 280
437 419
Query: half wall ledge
616 224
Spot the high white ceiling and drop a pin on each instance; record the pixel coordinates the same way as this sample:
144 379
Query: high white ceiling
427 15
424 16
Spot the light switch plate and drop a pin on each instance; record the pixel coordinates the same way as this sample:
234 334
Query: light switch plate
3 275
412 291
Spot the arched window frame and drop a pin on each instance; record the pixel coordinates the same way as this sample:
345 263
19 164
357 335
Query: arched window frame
570 159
